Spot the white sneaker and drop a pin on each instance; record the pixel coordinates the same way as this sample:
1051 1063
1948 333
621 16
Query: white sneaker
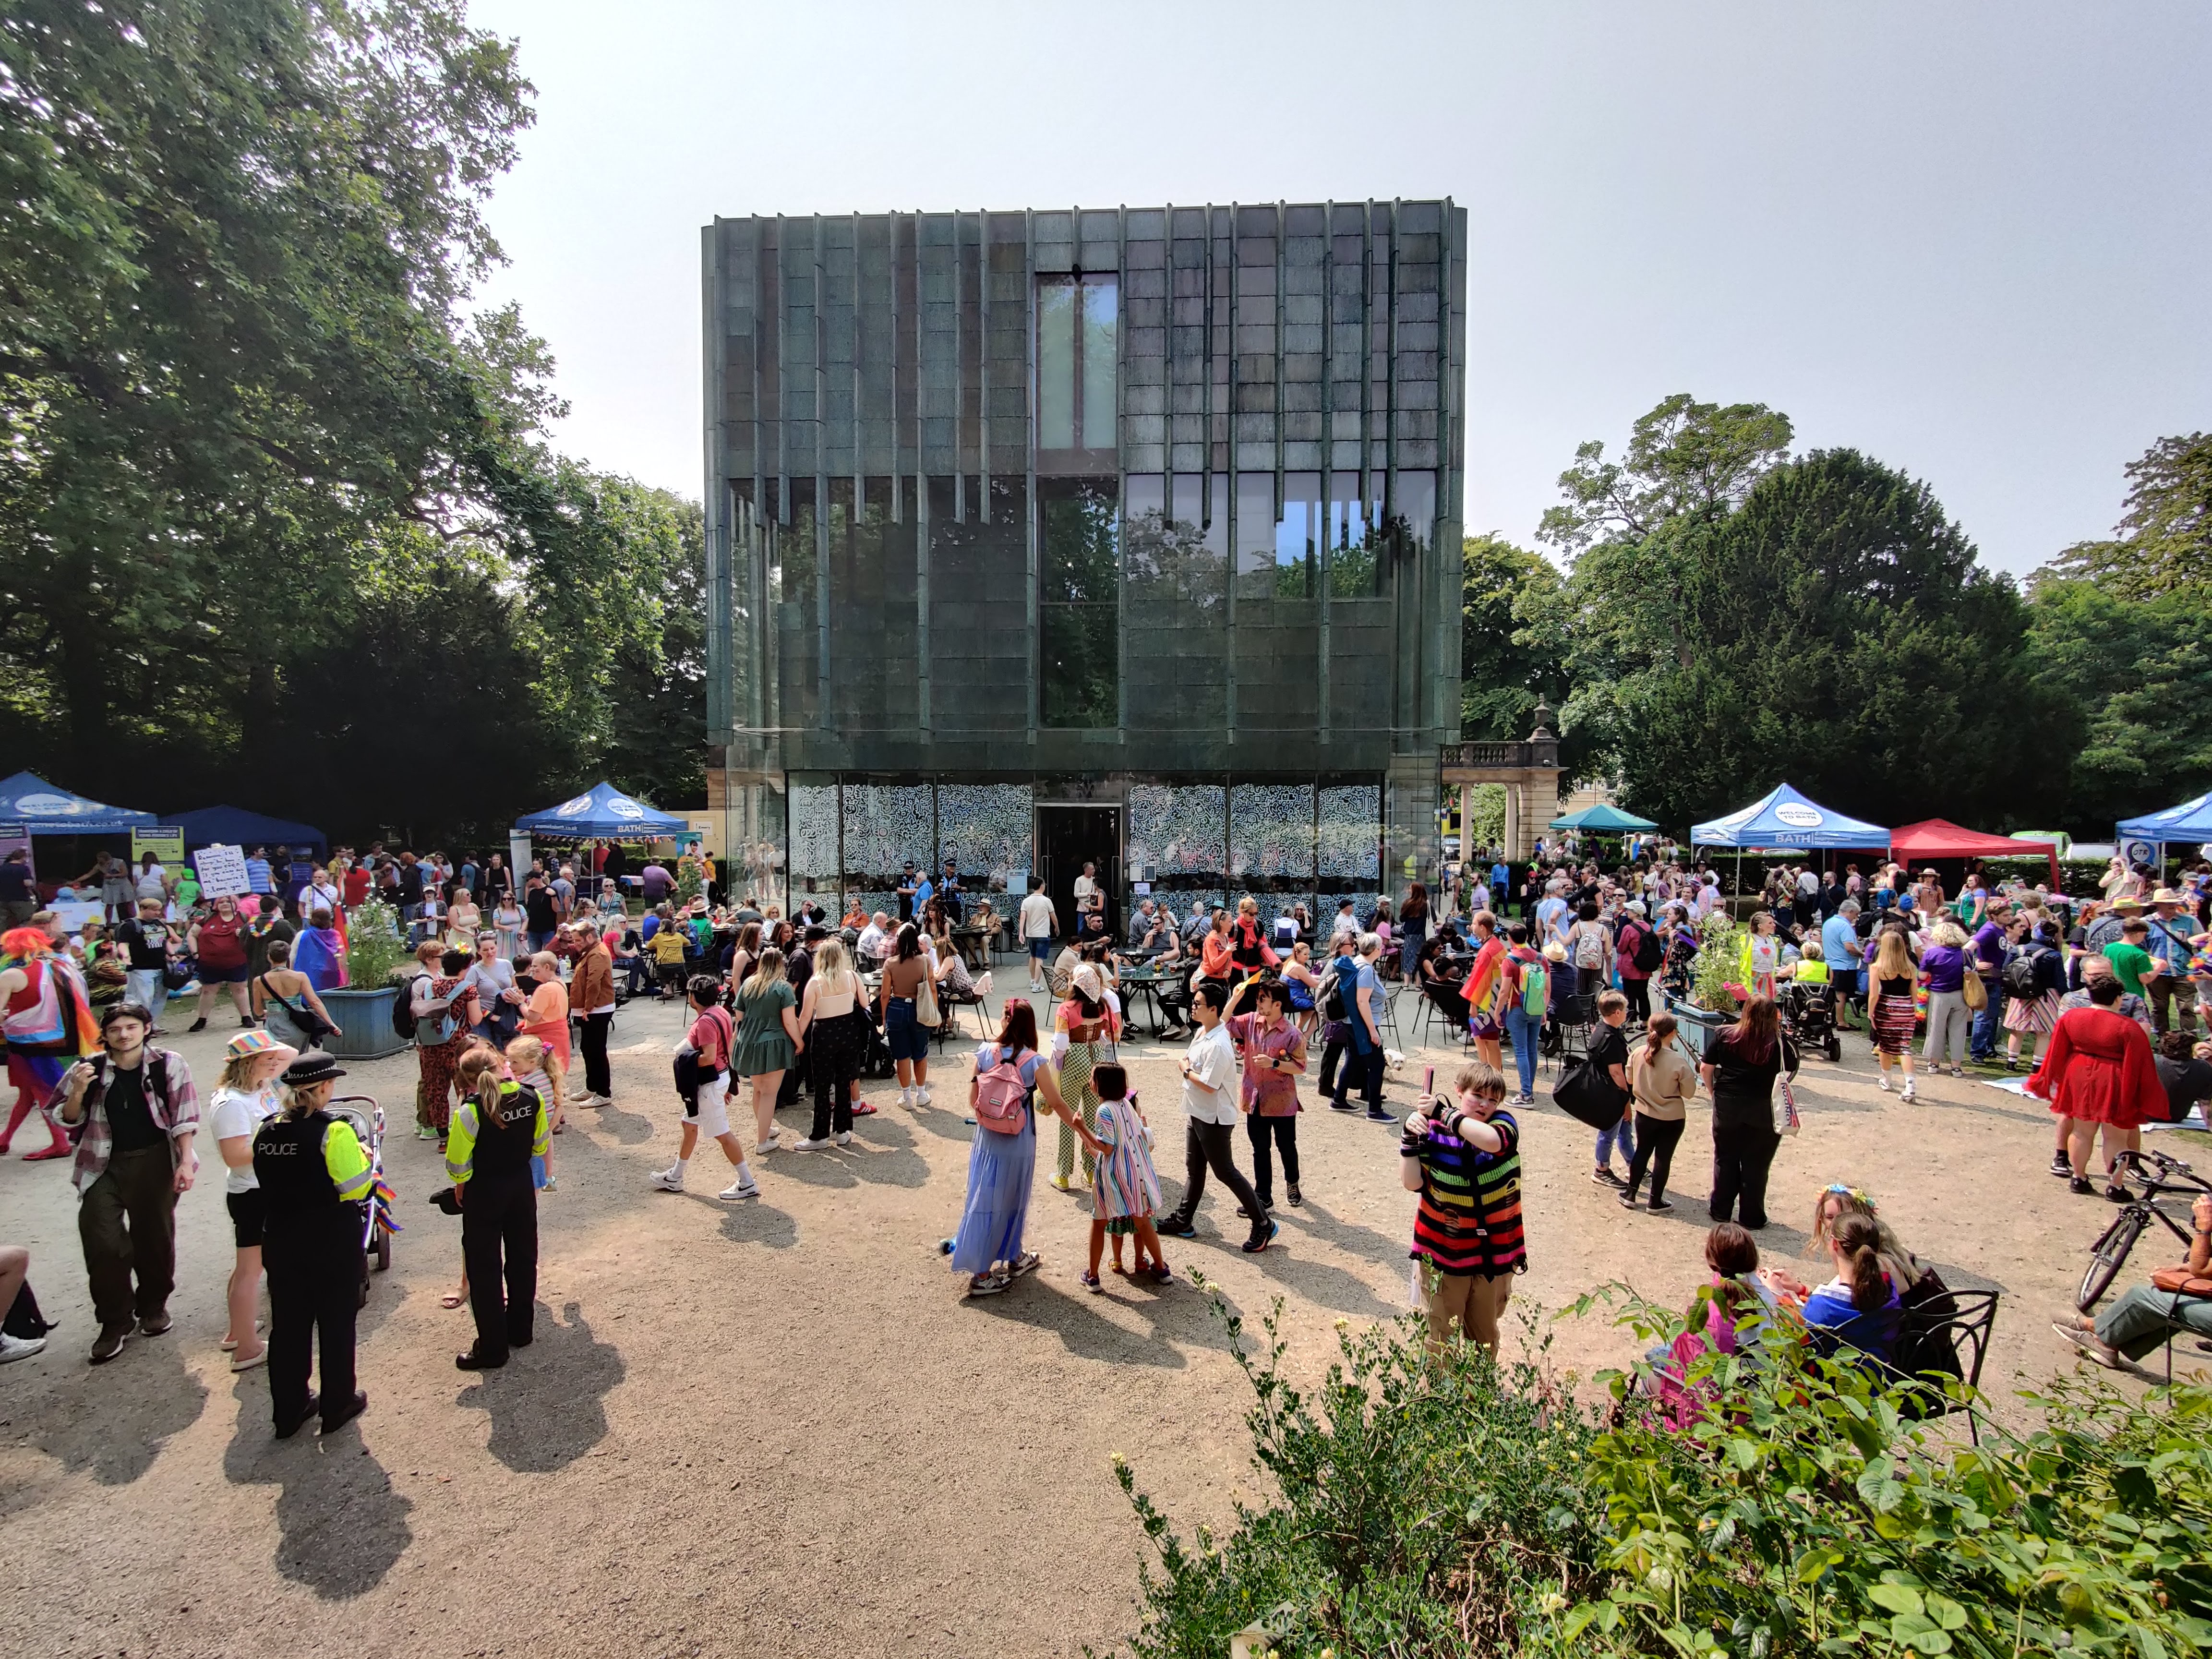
922 1095
810 1145
742 1186
13 1348
668 1180
906 1098
580 1094
845 1138
1883 1080
1909 1092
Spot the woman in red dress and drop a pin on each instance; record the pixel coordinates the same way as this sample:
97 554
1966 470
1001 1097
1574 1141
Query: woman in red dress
2099 1069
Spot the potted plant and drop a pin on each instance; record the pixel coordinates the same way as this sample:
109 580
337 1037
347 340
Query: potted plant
1711 1006
374 955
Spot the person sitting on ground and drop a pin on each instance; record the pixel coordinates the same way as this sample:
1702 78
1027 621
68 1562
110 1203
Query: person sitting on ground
2147 1316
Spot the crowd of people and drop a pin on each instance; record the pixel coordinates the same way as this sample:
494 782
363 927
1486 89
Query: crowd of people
513 967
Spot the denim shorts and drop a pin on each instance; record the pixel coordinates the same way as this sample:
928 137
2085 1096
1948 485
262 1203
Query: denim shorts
908 1037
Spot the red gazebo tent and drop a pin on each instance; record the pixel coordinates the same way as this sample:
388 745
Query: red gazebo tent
1940 838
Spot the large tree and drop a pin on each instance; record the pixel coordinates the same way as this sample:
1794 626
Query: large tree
236 241
1834 629
1684 457
2163 544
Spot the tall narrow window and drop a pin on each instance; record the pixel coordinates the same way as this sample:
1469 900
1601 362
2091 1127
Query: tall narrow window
1079 636
1077 388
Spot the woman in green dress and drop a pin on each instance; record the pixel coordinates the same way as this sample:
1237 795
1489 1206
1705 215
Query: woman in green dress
768 1038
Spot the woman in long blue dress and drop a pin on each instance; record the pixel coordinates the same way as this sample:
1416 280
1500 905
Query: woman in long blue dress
1001 1167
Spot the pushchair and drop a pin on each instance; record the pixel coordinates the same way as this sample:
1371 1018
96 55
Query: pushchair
1809 1017
377 1224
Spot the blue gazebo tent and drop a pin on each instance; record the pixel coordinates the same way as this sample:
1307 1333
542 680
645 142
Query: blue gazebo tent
43 810
1786 821
602 812
2190 822
234 826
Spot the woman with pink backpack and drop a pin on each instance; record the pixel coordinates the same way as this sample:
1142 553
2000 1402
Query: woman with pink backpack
1002 1163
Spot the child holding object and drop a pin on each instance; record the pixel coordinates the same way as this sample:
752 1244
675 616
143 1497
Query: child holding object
1461 1153
1125 1189
526 1064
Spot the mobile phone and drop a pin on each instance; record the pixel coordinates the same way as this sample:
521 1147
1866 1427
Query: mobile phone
1429 1081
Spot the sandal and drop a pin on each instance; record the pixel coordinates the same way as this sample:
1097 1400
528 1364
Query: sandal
451 1299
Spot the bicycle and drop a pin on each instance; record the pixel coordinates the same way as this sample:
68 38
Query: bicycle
2110 1252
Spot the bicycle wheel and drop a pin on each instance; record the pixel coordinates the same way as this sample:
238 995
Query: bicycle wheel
2110 1254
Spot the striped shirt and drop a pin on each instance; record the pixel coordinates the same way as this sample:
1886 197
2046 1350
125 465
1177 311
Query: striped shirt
1469 1220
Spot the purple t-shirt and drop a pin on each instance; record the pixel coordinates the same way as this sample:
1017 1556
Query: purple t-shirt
1946 967
1989 946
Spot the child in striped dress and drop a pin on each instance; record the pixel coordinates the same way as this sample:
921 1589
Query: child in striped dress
1461 1153
1125 1189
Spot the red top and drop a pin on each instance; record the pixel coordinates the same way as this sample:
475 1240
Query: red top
710 1037
2098 1067
223 943
357 886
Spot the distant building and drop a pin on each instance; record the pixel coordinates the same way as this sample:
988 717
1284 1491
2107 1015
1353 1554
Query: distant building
1126 535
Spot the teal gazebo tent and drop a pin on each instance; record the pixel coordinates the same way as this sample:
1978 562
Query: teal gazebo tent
1603 820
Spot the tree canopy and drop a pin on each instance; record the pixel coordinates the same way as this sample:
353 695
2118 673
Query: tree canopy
268 486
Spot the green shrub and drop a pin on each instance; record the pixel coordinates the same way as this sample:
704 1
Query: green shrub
1720 947
1470 1508
374 951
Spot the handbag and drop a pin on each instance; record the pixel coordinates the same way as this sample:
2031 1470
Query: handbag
926 1011
1976 993
2179 1281
1787 1120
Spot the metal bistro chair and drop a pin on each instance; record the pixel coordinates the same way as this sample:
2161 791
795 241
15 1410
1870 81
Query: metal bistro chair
1955 1327
1573 1016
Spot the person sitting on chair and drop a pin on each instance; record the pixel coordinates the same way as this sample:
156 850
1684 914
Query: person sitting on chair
2149 1315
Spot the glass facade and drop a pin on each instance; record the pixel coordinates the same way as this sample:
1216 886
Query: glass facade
1146 499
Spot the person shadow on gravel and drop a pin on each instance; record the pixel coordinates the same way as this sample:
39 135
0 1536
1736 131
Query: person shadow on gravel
548 1404
341 1524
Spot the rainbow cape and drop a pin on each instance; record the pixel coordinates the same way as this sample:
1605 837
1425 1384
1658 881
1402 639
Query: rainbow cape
320 953
1485 980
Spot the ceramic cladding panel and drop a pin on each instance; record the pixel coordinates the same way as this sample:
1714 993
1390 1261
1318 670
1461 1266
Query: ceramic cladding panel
885 826
1351 832
1271 831
1179 830
986 827
814 832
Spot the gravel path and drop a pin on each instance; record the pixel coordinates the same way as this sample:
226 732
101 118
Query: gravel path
777 1426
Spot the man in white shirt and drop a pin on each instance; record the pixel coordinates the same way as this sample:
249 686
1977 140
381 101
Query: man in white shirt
1087 894
1211 1106
875 941
1347 925
1038 922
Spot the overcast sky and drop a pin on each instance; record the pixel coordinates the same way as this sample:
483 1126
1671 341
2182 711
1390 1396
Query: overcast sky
1974 240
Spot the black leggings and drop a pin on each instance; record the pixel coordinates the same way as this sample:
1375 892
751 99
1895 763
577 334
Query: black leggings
1268 1135
1656 1138
1638 993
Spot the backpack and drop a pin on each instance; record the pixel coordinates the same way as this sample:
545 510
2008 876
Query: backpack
1535 989
403 1015
1332 998
1647 954
2019 976
1001 1098
1589 948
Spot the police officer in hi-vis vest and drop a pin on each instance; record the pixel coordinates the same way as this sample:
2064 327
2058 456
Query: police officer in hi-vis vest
314 1176
495 1133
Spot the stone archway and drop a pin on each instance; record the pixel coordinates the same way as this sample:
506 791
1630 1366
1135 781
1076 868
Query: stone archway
1528 770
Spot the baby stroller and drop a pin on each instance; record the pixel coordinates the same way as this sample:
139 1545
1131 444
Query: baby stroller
1809 1017
366 1118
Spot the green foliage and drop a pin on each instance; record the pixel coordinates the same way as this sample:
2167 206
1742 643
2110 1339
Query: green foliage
1685 459
2141 673
1719 950
1796 1509
1510 656
375 950
275 523
2164 542
1421 1511
1835 629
